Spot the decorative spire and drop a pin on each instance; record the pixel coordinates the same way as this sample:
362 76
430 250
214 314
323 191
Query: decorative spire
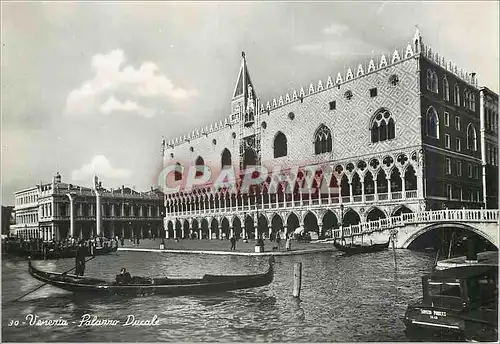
241 89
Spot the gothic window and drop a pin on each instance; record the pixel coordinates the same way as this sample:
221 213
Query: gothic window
280 145
249 118
473 102
466 99
471 138
432 123
429 79
457 95
322 140
178 172
435 82
382 126
199 166
446 89
226 158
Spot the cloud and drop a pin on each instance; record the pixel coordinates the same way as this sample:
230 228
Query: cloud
114 105
340 47
335 29
110 77
101 167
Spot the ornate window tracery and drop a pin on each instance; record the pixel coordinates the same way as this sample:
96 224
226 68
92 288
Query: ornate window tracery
382 126
322 140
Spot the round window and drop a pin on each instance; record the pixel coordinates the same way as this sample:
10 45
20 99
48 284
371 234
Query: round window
291 115
264 125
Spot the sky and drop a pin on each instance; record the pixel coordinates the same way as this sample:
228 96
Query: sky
91 87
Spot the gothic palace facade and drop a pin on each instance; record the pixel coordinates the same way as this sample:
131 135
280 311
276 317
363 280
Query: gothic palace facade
403 133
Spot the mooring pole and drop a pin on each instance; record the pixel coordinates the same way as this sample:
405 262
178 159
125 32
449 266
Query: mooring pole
393 236
297 279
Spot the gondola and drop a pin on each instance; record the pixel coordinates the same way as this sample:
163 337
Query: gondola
357 249
141 286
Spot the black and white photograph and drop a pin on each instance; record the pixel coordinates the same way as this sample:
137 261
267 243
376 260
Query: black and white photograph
249 171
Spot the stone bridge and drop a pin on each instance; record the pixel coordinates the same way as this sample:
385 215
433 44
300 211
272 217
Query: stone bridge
409 226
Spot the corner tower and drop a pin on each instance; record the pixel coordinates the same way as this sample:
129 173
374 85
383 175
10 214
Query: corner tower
244 106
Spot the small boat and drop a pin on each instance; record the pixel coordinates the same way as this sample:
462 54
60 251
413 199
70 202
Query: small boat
356 249
457 302
141 286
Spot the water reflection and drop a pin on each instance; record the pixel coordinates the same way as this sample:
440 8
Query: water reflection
357 298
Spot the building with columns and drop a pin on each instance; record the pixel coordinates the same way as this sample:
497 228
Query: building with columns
58 210
400 133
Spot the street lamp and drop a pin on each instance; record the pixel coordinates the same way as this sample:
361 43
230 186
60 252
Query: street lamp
342 221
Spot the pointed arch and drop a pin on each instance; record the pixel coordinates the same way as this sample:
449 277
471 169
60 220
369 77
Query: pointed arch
471 138
249 158
382 126
178 172
225 158
322 140
457 95
446 89
374 214
280 145
432 123
429 79
434 82
199 163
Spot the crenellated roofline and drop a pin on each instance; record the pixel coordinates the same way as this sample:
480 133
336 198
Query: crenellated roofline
414 49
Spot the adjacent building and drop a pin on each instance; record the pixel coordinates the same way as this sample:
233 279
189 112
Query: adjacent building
58 210
489 146
401 133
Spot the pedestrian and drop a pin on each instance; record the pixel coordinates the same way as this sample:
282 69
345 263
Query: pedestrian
233 243
137 241
122 241
278 241
288 245
80 259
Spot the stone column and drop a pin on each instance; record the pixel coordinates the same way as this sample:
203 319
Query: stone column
270 230
209 231
351 196
389 191
232 231
199 233
98 217
375 189
363 191
71 216
403 187
256 231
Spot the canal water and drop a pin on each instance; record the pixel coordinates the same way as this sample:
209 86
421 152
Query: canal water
358 298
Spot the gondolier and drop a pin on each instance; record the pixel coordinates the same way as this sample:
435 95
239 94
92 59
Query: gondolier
80 259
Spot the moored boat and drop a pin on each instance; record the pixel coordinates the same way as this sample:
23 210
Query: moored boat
460 301
357 249
58 253
140 286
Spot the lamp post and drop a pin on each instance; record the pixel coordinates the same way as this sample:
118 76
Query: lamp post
341 221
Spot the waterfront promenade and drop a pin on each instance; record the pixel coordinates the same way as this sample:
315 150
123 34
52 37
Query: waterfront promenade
222 247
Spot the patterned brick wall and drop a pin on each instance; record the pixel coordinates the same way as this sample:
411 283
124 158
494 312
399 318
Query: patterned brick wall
350 121
207 148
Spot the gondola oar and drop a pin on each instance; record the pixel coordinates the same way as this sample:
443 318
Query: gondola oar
64 273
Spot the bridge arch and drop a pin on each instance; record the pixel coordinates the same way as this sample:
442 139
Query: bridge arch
408 241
